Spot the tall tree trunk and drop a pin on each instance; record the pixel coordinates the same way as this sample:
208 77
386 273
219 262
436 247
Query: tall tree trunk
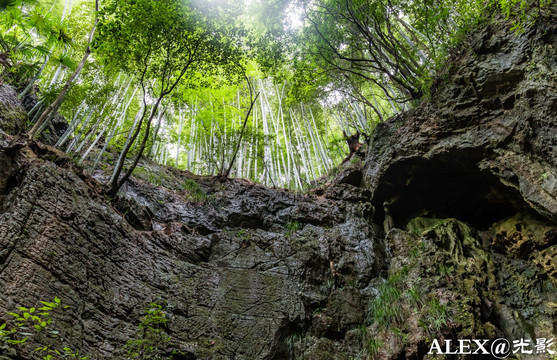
68 84
180 128
71 128
225 175
99 136
133 133
157 128
34 79
141 148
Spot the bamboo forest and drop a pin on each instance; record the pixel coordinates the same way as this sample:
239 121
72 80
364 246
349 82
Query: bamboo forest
262 90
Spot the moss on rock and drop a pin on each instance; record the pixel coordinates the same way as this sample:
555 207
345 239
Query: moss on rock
13 118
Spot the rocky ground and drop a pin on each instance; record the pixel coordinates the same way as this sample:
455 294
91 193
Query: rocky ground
446 230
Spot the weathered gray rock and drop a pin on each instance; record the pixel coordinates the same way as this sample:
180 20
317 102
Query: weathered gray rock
14 118
237 271
490 127
482 153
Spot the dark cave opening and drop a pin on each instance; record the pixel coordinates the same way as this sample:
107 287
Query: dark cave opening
445 187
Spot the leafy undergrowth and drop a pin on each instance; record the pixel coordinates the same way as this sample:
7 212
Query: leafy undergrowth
429 294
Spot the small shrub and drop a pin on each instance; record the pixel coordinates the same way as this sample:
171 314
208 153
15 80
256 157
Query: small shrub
414 295
384 310
435 316
373 345
292 227
292 340
193 190
152 341
35 323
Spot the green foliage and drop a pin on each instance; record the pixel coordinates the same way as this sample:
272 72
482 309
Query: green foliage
387 53
152 341
384 310
20 52
340 66
414 296
520 12
157 178
373 345
177 42
34 324
369 343
399 334
243 235
444 269
399 294
292 340
194 190
435 316
175 39
292 227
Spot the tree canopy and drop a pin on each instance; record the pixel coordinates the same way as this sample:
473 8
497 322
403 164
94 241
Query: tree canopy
266 90
178 42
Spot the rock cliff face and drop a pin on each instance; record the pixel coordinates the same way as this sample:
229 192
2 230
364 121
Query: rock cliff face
243 266
13 117
447 230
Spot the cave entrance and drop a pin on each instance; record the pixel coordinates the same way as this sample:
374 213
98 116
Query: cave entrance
446 187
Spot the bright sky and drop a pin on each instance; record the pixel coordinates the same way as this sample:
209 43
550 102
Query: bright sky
294 17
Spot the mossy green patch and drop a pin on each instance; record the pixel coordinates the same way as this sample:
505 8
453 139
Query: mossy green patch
12 119
193 190
453 236
435 288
